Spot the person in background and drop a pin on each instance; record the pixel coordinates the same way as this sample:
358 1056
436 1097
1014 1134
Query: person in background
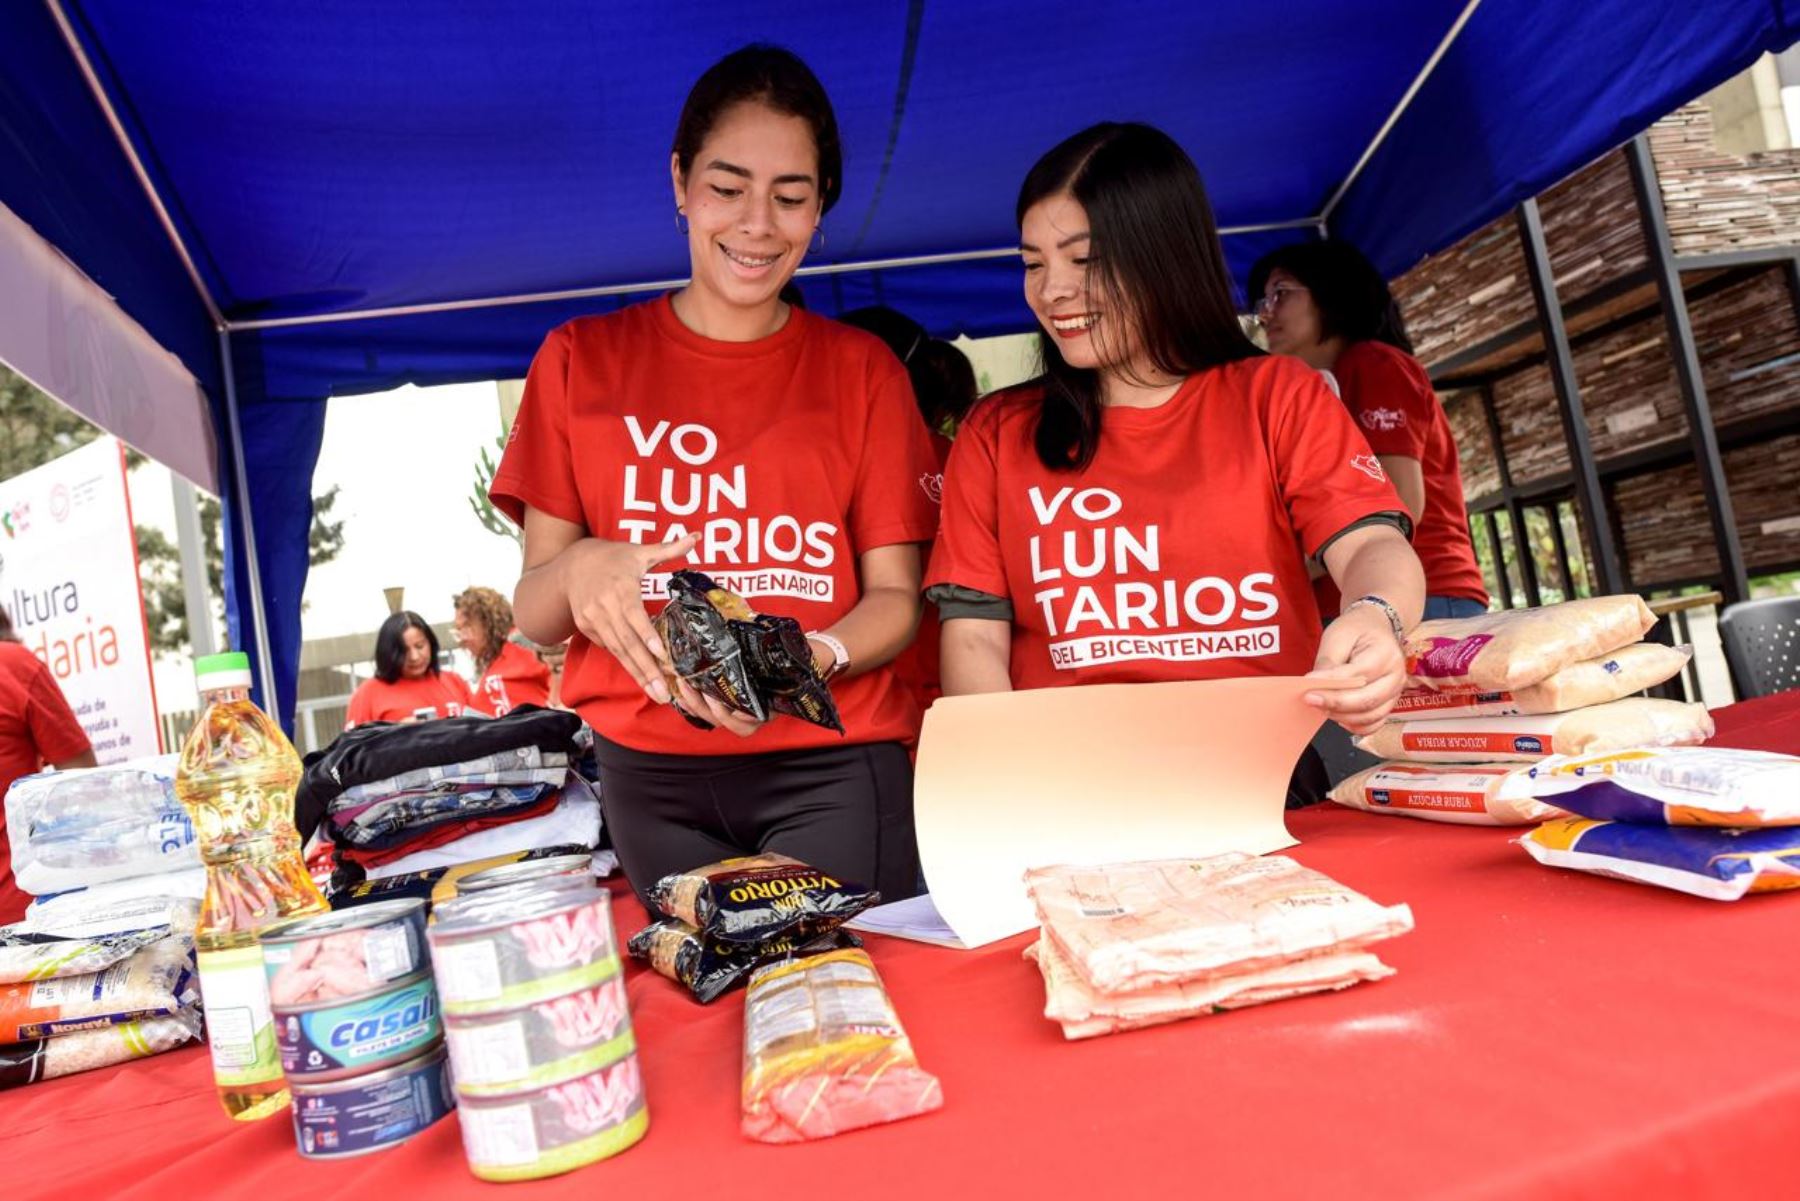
1142 512
723 429
943 383
506 674
37 729
1325 303
408 684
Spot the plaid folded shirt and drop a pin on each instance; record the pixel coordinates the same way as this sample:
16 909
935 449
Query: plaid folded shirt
525 765
399 819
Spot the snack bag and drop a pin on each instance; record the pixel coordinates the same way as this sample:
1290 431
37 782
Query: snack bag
1671 786
781 663
758 898
709 968
695 627
1721 865
1084 1011
1515 649
825 1053
1166 921
1634 722
1611 677
1469 795
154 983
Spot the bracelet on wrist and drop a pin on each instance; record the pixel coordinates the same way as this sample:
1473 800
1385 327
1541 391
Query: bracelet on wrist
1392 614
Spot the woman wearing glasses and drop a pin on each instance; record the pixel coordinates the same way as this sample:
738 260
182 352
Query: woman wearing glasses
1326 304
1141 511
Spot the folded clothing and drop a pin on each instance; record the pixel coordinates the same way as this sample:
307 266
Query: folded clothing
1672 786
411 822
1132 925
25 1063
1085 1012
573 821
1463 794
1517 648
520 765
380 751
1634 722
1719 864
74 829
445 833
1610 677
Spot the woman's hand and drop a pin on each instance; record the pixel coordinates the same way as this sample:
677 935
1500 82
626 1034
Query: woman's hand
603 583
1359 646
703 706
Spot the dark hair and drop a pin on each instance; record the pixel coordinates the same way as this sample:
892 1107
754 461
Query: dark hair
390 645
6 626
1153 253
1353 300
777 78
943 380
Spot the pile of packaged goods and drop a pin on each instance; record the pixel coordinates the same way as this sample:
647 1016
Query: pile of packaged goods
1488 693
541 1045
1709 821
72 1001
1129 945
104 848
402 800
719 922
357 1027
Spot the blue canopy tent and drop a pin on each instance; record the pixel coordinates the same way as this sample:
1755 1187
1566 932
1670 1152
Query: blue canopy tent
304 201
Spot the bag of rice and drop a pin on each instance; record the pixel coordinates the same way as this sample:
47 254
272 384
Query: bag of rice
1590 682
824 1052
153 983
1468 795
1671 786
27 954
1721 865
1633 722
1517 648
48 1058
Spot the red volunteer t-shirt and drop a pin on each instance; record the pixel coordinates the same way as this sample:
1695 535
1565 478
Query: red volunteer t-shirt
37 727
1176 555
791 456
446 694
515 677
1391 397
918 663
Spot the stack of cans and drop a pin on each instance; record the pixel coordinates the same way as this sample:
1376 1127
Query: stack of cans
539 1031
358 1028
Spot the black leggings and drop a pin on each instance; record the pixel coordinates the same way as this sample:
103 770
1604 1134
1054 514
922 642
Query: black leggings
846 810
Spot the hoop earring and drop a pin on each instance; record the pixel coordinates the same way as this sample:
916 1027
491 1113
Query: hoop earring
818 237
681 223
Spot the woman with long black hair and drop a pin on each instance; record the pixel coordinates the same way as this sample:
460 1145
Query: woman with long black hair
1143 510
409 685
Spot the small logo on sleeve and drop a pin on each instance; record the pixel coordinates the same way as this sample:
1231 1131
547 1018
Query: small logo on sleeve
933 483
1370 466
1383 419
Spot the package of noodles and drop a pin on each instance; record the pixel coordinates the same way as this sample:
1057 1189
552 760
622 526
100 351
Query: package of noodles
824 1052
695 627
759 897
1633 722
1517 648
708 967
781 663
1610 677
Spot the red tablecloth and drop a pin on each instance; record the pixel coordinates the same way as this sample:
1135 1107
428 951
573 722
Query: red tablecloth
1549 1035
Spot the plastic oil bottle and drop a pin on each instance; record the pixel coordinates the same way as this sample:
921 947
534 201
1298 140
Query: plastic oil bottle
236 779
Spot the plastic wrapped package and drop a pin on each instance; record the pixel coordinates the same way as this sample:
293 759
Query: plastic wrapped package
759 897
1462 794
1610 677
48 1058
1085 1012
1517 648
155 982
171 899
27 954
75 829
1132 925
1672 786
824 1052
708 967
1633 722
1719 864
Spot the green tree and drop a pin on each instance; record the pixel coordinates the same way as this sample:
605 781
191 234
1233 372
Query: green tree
491 519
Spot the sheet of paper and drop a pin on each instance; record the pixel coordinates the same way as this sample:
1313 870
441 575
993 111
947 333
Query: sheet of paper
916 918
1104 773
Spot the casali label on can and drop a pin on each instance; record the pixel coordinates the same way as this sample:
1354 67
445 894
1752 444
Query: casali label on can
360 1033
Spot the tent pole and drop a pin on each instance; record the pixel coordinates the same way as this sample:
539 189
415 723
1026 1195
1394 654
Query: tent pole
252 569
1568 395
1734 581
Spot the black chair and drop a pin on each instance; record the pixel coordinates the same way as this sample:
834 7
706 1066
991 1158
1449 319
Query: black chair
1762 645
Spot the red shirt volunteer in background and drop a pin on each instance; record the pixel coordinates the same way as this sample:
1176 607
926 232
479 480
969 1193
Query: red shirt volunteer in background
507 675
408 684
37 728
1326 304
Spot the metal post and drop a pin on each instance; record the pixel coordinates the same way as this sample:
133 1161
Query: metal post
1568 396
1527 559
1562 550
1500 572
252 570
192 543
1735 581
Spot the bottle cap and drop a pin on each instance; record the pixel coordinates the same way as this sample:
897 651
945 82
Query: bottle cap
230 670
